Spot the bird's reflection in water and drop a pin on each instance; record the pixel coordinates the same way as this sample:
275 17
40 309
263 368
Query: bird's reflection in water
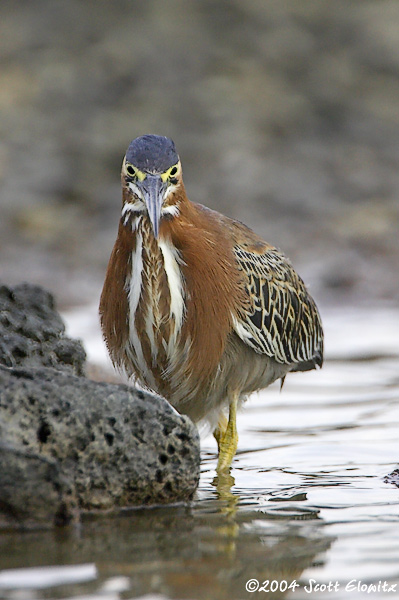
208 548
229 531
223 483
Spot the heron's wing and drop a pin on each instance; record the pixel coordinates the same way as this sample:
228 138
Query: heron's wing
280 319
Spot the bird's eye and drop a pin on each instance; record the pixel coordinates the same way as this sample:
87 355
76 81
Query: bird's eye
173 171
130 170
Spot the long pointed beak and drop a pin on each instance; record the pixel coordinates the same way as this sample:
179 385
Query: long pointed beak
154 188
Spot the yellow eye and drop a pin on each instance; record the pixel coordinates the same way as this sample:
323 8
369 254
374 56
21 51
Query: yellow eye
133 172
170 175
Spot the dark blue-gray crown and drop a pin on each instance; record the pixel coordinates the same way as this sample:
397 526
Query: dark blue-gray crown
152 153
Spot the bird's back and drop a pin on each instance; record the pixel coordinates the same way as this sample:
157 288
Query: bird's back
279 317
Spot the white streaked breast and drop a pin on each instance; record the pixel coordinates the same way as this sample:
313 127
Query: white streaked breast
134 297
175 281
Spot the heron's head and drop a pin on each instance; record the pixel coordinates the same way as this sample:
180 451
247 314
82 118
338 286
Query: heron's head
151 175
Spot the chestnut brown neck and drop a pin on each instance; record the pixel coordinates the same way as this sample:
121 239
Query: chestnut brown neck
214 289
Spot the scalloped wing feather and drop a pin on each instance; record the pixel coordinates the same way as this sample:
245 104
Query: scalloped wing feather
281 319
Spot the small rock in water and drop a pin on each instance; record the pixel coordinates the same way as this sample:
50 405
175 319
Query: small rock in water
392 478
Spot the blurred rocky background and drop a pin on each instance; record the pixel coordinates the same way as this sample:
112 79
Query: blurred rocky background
285 114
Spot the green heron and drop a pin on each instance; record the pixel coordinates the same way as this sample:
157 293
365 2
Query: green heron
195 305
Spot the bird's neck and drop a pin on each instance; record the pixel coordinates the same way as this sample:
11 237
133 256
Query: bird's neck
212 283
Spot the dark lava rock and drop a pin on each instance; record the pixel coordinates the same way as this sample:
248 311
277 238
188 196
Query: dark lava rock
68 441
69 444
32 331
33 490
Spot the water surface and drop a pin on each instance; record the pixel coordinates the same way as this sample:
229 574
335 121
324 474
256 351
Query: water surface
309 509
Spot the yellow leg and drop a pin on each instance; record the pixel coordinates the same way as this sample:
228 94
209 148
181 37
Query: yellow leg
220 429
227 438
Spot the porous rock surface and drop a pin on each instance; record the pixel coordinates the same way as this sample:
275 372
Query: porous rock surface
69 444
32 331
